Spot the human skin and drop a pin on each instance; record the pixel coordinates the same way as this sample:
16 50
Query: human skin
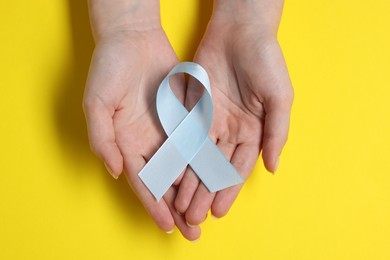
251 90
252 97
131 57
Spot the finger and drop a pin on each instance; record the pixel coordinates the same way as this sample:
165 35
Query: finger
102 136
187 188
190 233
158 210
244 160
203 198
178 180
276 127
199 206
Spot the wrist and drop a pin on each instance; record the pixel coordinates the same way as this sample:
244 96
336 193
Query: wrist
264 14
112 17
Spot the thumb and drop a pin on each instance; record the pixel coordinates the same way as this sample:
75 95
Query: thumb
276 127
102 135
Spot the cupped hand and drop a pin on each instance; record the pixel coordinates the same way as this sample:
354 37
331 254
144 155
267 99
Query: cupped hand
252 97
119 104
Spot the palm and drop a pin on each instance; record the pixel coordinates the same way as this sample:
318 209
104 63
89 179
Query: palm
244 69
124 77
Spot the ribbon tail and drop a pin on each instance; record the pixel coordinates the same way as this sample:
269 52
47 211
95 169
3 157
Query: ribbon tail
163 169
212 167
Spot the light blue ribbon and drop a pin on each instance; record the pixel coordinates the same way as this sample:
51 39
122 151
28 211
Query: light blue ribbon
188 141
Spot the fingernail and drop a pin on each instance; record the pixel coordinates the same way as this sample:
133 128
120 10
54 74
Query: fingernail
192 226
276 164
213 217
195 241
170 231
110 171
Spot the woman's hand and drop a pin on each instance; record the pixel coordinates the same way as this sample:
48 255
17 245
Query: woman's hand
252 96
129 62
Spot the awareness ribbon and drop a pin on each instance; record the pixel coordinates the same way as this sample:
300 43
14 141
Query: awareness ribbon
188 142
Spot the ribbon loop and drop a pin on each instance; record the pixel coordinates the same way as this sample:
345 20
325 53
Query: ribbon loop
188 142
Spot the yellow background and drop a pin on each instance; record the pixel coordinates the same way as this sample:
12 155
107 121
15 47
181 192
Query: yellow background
329 200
